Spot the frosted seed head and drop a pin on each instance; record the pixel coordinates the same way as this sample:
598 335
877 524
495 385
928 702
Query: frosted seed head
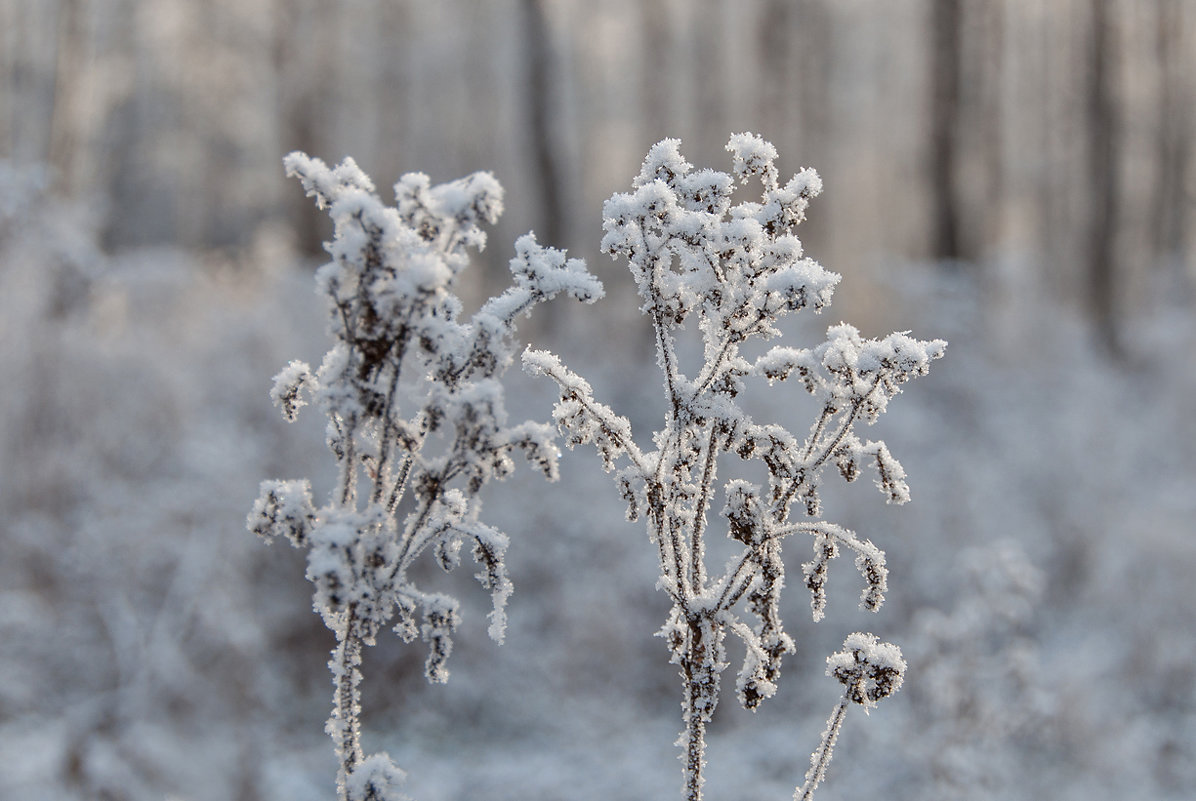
706 191
289 386
376 778
868 668
744 512
752 155
664 162
283 508
440 621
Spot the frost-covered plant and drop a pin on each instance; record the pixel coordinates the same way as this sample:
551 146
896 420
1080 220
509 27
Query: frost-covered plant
399 343
737 269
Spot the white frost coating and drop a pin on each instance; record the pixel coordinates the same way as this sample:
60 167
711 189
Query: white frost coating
377 778
398 337
738 268
752 155
546 270
283 509
868 668
294 379
323 184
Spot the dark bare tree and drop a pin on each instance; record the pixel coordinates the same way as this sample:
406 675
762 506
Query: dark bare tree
1101 261
66 128
540 97
1173 134
987 125
709 52
658 48
946 52
774 48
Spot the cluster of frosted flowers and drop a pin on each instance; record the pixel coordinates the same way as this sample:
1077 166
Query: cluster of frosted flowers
405 371
738 269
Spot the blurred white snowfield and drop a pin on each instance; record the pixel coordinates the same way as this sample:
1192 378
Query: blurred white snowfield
149 647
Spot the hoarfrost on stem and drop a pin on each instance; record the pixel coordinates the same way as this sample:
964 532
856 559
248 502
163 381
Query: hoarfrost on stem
738 268
398 334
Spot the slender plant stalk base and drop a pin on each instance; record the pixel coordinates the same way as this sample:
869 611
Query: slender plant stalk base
695 745
821 757
345 724
701 696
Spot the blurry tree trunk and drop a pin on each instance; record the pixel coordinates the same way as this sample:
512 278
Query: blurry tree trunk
709 53
302 77
1061 212
1174 136
989 124
71 48
393 42
9 79
814 32
776 95
540 97
1103 178
657 79
946 32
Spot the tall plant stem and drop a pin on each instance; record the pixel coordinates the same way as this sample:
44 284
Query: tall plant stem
345 725
700 697
695 739
821 757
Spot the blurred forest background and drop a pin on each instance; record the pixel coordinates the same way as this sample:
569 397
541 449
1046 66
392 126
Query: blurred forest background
1016 176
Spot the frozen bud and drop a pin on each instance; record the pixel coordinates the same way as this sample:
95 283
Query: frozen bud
664 162
406 624
868 668
752 155
816 572
743 512
377 778
871 565
294 379
482 197
284 509
440 621
328 568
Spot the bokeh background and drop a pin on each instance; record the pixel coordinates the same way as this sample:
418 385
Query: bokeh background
1016 176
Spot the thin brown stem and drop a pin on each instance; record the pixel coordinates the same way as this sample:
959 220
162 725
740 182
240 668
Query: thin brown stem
383 472
731 594
819 427
695 545
712 368
669 361
348 466
697 711
821 757
345 725
405 548
848 422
